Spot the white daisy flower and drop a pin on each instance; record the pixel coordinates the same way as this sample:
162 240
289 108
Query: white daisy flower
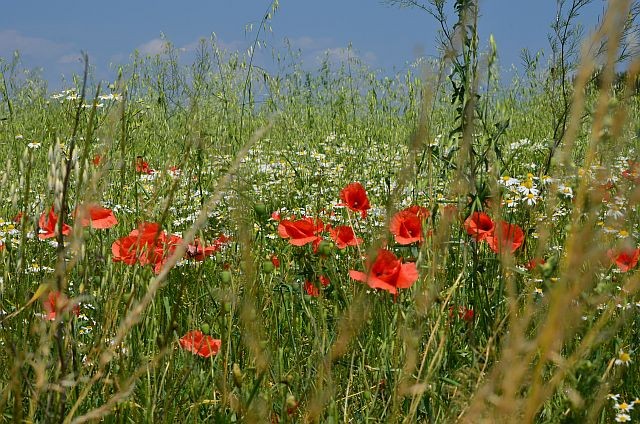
508 181
623 418
623 407
623 358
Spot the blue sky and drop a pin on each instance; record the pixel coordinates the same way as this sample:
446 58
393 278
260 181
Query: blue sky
51 34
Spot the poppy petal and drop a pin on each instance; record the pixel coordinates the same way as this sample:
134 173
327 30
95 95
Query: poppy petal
407 276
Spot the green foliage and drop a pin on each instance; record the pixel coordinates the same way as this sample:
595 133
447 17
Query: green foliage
479 335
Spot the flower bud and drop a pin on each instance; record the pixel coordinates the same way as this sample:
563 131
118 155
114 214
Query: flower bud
288 379
292 403
237 375
260 209
267 267
325 248
226 277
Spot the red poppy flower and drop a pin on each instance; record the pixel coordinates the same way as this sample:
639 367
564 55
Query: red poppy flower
48 224
479 225
164 248
406 225
292 405
125 249
533 263
140 245
97 217
147 232
633 172
311 289
466 314
505 236
421 211
355 198
97 160
153 244
17 218
388 273
624 259
58 302
275 261
302 231
199 252
607 186
142 167
149 245
199 344
344 236
275 216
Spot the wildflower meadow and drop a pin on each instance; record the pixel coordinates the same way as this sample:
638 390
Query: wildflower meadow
212 242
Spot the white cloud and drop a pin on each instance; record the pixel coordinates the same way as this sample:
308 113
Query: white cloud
227 46
344 54
35 47
310 43
117 58
159 45
152 47
231 46
192 46
315 50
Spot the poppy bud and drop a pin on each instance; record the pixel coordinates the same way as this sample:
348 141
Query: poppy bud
237 375
226 277
549 267
260 209
367 395
325 248
291 402
267 267
227 307
205 328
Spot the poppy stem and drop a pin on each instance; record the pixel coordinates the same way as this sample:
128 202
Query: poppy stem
255 389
